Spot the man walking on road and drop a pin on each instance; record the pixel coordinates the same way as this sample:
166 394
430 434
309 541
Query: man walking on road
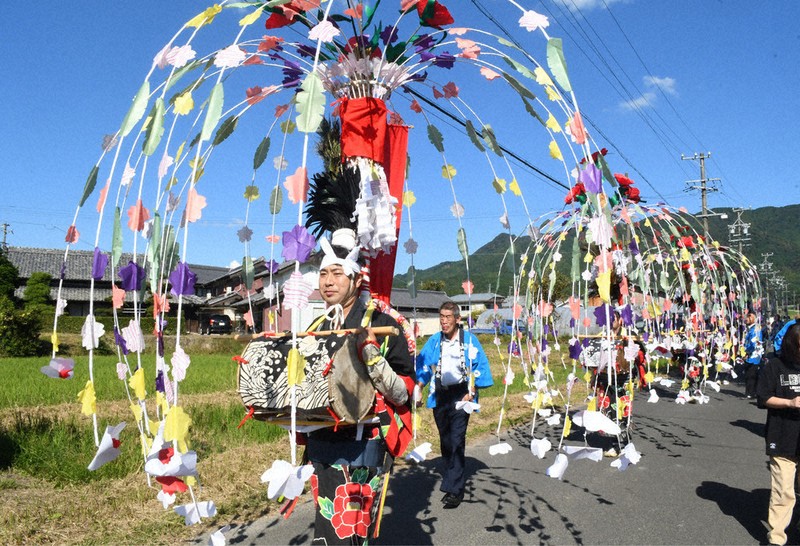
454 363
754 351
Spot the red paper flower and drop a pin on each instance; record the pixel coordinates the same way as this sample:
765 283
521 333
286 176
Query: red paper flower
626 405
633 194
435 15
351 510
623 180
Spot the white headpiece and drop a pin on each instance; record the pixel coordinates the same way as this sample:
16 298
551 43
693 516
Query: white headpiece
348 263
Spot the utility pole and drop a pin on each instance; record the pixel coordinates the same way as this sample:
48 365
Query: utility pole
706 185
6 232
738 231
767 273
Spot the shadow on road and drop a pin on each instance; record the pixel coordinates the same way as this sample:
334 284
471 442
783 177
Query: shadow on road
749 508
755 428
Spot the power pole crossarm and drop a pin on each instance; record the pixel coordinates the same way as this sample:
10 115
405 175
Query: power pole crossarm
706 185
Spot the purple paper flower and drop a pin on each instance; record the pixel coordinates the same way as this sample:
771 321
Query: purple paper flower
245 234
99 264
423 42
292 74
389 35
646 337
272 266
120 341
305 50
182 280
600 314
63 272
132 277
626 313
575 350
426 56
160 381
592 178
445 60
297 244
634 248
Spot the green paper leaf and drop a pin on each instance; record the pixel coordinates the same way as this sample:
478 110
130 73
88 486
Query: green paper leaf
462 243
488 135
91 182
155 129
576 259
529 108
518 87
310 104
214 111
276 200
225 130
436 138
178 74
557 63
116 238
248 273
137 109
261 153
411 283
473 136
605 170
664 280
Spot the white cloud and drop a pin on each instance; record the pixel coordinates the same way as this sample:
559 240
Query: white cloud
647 99
234 264
667 86
580 5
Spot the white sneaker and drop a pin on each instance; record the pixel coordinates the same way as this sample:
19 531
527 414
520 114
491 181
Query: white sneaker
725 382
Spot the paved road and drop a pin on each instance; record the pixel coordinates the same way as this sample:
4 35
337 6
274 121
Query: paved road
702 479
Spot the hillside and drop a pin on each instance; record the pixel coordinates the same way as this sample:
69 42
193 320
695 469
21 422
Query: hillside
772 229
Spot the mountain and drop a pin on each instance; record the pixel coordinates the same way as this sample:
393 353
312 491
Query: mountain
772 229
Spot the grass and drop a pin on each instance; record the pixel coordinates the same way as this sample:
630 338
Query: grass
45 445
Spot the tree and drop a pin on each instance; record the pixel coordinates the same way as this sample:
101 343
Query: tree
432 285
37 291
9 275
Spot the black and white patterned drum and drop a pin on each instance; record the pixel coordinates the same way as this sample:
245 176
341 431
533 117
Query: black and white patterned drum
335 379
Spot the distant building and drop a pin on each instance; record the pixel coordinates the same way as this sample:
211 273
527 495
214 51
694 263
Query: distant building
479 302
218 290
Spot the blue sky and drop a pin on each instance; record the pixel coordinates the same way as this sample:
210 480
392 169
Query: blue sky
656 79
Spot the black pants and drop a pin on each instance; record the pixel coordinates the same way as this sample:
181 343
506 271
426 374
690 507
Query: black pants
751 372
452 425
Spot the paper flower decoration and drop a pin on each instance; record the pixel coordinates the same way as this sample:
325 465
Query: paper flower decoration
457 210
217 538
628 457
467 406
166 499
99 264
59 368
296 292
180 363
467 287
540 447
194 511
109 447
297 244
531 21
297 185
133 336
286 480
245 234
132 276
653 398
167 462
557 469
182 280
499 449
594 421
577 453
419 453
91 333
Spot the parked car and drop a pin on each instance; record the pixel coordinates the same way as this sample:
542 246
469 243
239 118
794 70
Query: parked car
218 324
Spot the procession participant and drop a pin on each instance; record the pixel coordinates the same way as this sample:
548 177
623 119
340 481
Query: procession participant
753 355
351 461
779 393
455 365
